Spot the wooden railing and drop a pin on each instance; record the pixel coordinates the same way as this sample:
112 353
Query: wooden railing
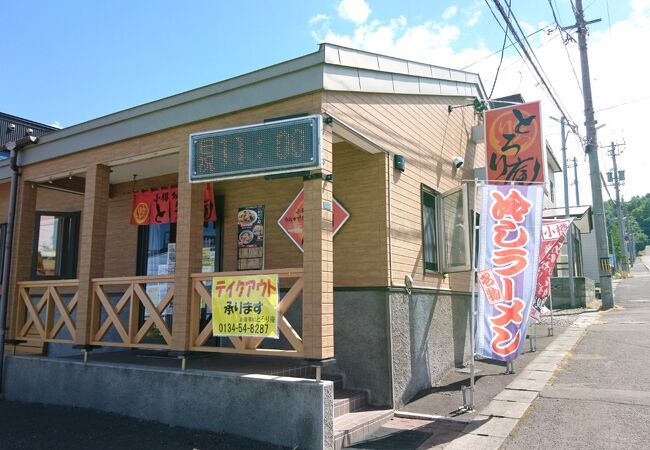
116 305
45 311
123 314
201 325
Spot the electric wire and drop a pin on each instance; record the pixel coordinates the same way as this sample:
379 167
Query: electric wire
499 51
566 39
527 56
503 48
510 39
539 64
623 104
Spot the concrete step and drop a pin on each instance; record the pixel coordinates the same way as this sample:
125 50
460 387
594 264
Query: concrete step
336 379
347 401
356 426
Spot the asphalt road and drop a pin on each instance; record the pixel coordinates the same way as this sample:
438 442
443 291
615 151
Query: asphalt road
600 399
29 426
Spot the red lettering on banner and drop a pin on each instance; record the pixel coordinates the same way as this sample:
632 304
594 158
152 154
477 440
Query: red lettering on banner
513 205
510 312
488 282
508 288
511 261
504 342
509 258
503 228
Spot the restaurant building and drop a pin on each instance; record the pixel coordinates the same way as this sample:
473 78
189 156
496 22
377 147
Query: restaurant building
347 174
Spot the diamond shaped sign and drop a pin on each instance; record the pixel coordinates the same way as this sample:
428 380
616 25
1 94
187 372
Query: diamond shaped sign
292 220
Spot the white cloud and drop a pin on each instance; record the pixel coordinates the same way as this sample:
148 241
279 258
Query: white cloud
318 19
320 24
356 11
618 76
55 124
473 20
449 12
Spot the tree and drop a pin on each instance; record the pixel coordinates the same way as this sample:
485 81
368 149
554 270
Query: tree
637 213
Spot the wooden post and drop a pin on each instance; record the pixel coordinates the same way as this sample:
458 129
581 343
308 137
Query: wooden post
189 245
92 245
318 294
21 267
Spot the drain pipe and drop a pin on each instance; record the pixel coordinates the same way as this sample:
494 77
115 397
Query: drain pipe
12 147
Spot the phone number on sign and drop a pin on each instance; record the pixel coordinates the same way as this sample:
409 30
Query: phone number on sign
241 328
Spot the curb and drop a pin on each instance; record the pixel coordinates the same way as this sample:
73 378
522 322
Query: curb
494 423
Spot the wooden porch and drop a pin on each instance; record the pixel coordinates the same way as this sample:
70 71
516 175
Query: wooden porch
97 309
122 314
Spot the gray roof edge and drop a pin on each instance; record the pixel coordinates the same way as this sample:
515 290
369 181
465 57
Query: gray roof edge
478 82
365 52
286 79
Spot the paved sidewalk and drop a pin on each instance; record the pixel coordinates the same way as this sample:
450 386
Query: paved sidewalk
496 415
601 397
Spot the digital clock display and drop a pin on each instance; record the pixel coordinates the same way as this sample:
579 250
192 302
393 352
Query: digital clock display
282 146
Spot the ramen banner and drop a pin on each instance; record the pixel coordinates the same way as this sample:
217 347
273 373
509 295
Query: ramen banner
509 250
250 238
554 233
245 305
159 206
514 145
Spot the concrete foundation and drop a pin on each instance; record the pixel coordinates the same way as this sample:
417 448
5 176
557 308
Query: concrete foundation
430 336
585 292
284 411
394 345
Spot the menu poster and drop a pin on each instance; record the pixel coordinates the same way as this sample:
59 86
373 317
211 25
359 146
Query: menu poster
250 238
208 256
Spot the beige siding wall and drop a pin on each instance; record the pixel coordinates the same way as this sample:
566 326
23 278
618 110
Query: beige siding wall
418 127
360 257
421 129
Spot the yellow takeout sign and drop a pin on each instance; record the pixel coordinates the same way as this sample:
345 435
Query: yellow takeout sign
245 305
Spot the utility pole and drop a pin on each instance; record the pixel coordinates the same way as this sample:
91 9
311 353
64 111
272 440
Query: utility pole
625 267
591 148
575 178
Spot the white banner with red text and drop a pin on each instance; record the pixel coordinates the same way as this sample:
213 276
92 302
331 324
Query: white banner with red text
510 235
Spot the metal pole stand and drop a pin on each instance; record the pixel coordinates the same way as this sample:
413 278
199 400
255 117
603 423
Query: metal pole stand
550 300
510 368
468 398
533 339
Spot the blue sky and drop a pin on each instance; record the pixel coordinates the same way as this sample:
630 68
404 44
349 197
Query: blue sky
68 61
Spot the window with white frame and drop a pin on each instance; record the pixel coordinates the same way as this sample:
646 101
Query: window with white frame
445 230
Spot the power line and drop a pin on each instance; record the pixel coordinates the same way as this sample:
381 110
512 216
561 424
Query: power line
512 43
499 51
568 38
539 64
623 104
530 59
503 48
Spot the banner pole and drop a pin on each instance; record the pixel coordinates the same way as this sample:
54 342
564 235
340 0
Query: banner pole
468 404
550 300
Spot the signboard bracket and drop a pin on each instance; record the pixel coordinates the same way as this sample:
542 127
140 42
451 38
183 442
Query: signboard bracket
319 175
